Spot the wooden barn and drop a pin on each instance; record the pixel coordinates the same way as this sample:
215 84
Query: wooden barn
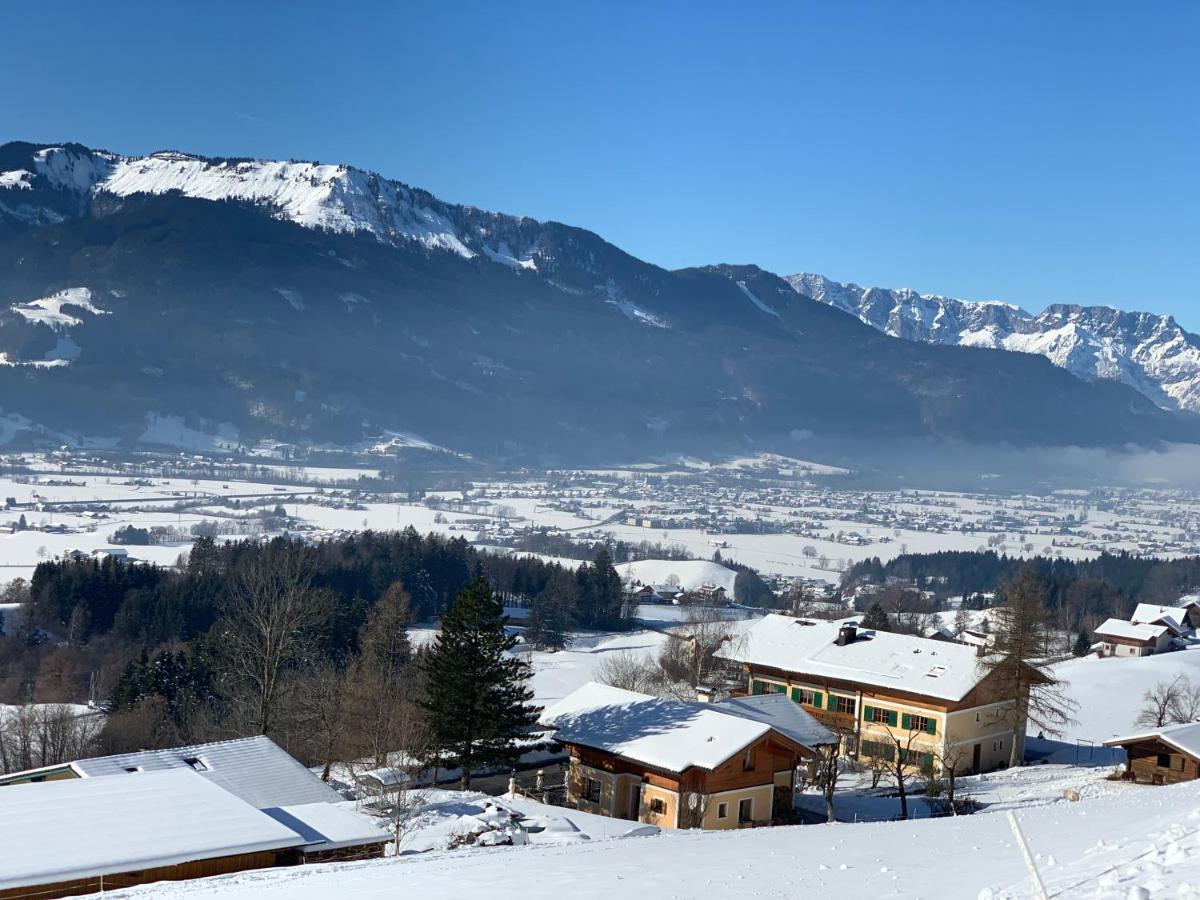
1165 755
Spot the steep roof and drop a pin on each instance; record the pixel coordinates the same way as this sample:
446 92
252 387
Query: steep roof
1175 617
1185 738
255 769
901 662
1119 628
142 821
663 734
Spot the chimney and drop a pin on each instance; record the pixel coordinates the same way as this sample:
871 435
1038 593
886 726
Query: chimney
704 694
846 634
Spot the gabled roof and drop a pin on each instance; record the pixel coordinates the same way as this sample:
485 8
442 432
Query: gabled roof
1174 617
1119 628
255 769
77 828
1184 738
663 734
901 662
783 714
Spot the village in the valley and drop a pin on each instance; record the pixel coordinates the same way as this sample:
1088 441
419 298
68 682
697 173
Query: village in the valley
783 657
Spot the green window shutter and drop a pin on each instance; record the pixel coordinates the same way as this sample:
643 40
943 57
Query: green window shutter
931 726
892 716
906 722
796 694
832 704
867 710
927 761
781 688
817 698
756 687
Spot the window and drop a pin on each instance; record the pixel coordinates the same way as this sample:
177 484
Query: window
746 810
1164 760
805 696
998 745
918 723
658 806
846 705
923 761
722 810
196 763
591 791
748 761
879 750
879 716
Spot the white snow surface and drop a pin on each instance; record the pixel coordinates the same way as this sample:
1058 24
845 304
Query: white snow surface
899 661
692 573
336 198
1134 842
49 310
140 821
754 299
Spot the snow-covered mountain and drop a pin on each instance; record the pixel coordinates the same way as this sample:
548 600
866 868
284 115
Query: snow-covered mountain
1150 353
326 305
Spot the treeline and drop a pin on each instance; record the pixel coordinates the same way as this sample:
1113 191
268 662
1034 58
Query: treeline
272 637
1080 592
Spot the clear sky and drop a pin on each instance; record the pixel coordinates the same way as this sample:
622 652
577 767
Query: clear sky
1036 153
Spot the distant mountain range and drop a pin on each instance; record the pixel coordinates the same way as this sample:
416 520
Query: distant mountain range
176 300
1148 352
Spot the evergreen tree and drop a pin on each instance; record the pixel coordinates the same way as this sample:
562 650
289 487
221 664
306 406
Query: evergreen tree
550 617
477 696
876 619
1082 645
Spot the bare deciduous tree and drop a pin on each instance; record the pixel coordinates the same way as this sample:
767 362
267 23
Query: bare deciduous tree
270 617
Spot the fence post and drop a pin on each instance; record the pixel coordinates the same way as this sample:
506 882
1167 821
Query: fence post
1038 887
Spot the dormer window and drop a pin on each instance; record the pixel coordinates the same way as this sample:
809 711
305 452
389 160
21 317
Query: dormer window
196 763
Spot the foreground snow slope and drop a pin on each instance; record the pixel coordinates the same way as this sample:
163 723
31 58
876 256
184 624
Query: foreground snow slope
1140 842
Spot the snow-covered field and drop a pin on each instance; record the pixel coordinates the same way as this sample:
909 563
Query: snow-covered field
1138 843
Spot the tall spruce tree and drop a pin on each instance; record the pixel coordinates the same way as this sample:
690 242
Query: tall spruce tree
477 696
876 619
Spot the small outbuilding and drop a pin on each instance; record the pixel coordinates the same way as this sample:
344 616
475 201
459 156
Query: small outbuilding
1164 755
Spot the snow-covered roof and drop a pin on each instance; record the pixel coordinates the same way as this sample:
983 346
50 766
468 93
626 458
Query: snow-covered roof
329 826
77 828
1119 628
781 713
663 734
901 662
1185 738
256 769
1149 613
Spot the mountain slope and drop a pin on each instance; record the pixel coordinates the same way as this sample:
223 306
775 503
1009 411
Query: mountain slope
1148 352
323 304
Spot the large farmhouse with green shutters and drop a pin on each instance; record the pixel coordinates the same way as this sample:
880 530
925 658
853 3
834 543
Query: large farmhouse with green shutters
929 703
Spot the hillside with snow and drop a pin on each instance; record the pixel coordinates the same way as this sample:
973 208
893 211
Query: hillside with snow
1150 353
317 304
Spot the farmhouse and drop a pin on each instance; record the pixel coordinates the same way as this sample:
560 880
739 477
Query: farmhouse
1116 637
1179 620
682 765
1162 755
875 688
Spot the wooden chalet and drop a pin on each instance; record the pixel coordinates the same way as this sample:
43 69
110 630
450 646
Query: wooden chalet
1165 755
683 765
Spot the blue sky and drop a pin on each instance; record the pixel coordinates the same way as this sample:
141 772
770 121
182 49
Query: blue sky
1035 153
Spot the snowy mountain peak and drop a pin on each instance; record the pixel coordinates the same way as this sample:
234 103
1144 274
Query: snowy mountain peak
1146 351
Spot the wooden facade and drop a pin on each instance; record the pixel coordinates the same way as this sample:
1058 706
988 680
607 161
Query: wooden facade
1152 761
203 868
761 773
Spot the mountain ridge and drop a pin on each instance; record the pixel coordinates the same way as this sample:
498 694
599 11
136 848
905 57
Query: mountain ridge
315 304
1150 352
